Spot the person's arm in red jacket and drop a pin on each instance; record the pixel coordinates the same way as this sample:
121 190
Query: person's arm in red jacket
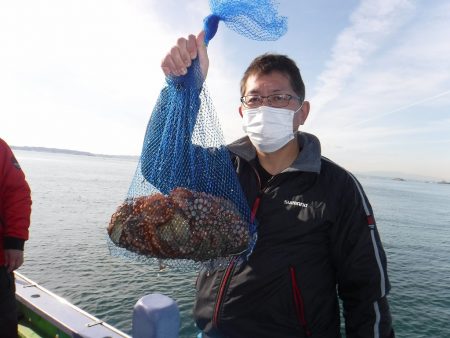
15 207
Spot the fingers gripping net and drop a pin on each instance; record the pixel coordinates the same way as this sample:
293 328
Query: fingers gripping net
185 205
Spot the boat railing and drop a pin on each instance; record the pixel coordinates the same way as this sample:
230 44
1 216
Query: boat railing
154 315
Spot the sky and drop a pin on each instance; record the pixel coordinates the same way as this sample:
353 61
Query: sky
85 74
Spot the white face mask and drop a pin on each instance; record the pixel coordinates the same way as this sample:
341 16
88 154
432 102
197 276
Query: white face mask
268 128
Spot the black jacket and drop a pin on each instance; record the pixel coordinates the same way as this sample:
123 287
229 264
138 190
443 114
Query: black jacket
317 239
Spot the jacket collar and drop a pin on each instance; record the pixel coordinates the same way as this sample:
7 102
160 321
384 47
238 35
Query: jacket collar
309 158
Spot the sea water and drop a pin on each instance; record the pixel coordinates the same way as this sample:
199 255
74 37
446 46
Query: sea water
75 195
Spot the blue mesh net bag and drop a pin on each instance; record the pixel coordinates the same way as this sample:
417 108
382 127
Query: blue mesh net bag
185 203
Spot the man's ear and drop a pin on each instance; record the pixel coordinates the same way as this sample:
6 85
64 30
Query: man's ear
301 116
240 111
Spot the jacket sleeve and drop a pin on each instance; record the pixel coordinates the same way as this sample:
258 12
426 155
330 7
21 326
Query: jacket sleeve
360 263
15 200
170 158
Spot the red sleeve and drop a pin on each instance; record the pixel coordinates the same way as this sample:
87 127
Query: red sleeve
15 199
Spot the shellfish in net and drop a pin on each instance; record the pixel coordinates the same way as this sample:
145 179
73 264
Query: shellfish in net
185 224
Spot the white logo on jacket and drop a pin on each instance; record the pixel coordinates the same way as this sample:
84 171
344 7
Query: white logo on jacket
299 204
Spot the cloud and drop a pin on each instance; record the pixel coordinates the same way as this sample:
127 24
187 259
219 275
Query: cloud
66 58
408 106
85 74
387 91
407 70
74 66
371 23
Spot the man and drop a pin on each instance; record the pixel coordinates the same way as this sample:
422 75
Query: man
15 210
317 237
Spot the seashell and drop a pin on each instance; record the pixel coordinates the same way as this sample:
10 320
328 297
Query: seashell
174 237
118 219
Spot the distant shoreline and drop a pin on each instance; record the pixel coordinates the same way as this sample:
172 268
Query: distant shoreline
394 176
70 152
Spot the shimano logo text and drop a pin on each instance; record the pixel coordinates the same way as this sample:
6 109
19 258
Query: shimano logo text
299 204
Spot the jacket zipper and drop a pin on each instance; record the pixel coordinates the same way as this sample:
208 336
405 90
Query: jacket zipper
223 286
228 272
230 268
298 300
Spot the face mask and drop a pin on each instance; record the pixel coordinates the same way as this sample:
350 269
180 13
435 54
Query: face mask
268 128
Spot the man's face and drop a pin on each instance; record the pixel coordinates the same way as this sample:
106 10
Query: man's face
276 83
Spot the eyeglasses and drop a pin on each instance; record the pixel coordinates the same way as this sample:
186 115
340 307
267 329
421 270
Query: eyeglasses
274 100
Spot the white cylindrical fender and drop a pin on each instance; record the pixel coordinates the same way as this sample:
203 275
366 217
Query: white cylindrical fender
156 316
